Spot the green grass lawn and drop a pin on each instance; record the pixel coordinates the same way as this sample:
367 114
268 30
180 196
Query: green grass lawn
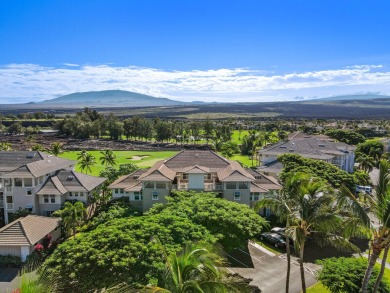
237 137
269 247
123 157
317 288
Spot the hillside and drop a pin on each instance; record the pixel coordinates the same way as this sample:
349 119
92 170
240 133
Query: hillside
351 97
110 98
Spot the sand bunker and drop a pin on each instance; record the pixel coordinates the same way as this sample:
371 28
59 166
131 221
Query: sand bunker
138 158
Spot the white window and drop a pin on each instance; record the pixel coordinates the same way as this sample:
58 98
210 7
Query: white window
18 182
155 195
70 193
231 185
28 191
237 195
116 190
185 176
76 193
81 194
52 198
46 199
149 184
121 190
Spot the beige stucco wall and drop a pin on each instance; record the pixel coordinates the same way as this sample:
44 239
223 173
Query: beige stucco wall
147 197
245 195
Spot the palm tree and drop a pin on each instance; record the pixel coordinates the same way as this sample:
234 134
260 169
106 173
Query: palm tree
72 216
108 158
81 155
198 268
314 215
366 163
283 205
87 162
56 148
379 205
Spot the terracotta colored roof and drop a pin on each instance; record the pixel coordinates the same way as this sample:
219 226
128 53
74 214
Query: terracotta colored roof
190 158
27 231
158 172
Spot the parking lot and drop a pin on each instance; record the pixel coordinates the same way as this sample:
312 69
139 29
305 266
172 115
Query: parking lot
268 271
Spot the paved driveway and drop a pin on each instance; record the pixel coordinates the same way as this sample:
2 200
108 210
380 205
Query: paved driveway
269 272
8 279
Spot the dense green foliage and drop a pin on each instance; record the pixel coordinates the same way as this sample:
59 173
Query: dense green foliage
336 177
122 250
130 247
372 149
346 275
232 223
346 136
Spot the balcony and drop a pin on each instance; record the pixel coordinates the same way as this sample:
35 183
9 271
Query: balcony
9 206
207 186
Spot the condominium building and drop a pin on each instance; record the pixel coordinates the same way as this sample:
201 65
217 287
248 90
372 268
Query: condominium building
194 170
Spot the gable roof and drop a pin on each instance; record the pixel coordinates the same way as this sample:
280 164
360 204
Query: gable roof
158 172
197 170
65 181
35 162
127 180
234 172
190 158
27 231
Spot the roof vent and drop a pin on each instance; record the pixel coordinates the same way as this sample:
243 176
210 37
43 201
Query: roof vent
70 178
30 155
282 147
291 151
321 145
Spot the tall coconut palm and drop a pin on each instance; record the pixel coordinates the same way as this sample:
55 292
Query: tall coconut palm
283 205
379 205
72 216
315 216
199 268
81 155
108 158
56 148
366 163
87 162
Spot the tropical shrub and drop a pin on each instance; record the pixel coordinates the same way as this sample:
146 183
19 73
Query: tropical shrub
346 275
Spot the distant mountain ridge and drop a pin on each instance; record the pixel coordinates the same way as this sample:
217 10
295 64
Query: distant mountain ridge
109 98
351 97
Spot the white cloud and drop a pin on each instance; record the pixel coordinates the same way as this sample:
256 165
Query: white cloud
32 82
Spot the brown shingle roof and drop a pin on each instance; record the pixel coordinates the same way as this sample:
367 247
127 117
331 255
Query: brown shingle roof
127 180
189 158
65 181
158 172
27 231
234 172
48 164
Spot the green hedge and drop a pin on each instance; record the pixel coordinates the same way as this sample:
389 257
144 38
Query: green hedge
10 261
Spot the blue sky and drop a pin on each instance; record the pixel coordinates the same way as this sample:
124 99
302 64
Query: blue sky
193 49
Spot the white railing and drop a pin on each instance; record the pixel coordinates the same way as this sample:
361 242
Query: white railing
8 188
9 206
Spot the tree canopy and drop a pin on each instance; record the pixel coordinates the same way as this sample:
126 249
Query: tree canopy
335 176
346 136
232 223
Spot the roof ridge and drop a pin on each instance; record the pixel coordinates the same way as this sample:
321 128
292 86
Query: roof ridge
23 230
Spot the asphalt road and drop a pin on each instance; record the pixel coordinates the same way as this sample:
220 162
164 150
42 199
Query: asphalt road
269 272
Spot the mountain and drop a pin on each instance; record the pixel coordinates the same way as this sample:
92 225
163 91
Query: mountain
110 98
351 97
